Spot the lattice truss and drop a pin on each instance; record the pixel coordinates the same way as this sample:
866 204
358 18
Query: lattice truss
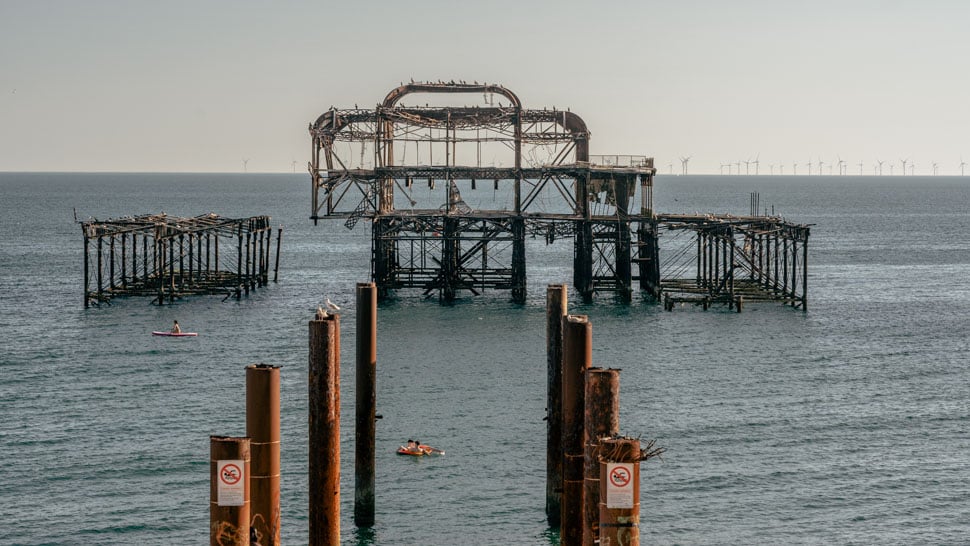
419 158
758 257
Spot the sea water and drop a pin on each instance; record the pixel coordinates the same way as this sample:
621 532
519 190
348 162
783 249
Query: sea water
849 423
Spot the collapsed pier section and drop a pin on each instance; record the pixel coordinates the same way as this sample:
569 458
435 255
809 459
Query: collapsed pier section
170 257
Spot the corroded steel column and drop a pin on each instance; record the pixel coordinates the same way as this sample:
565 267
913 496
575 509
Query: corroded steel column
620 491
324 433
556 308
263 429
577 354
518 260
228 491
602 420
365 429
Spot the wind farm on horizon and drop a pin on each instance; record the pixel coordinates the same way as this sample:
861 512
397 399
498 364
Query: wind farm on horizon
821 167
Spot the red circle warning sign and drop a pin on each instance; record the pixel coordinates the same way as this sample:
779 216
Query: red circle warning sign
231 474
620 476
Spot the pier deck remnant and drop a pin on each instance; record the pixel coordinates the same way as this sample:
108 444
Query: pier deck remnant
169 257
452 192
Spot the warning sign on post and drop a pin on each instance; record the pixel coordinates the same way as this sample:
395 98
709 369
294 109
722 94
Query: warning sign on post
232 488
619 485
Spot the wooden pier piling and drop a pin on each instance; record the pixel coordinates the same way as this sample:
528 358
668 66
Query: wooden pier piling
263 429
229 476
602 420
556 310
324 430
366 414
577 334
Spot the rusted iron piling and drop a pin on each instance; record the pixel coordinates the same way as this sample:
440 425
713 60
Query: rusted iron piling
365 430
556 309
577 341
602 420
324 433
619 505
229 505
263 429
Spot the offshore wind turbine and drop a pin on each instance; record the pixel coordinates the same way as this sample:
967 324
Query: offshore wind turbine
841 164
809 165
683 163
962 165
880 162
904 161
860 168
757 163
794 168
936 168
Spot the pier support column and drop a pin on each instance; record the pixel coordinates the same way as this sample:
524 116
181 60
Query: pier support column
620 491
602 420
229 491
583 261
263 429
577 354
366 414
324 433
649 263
450 258
384 257
518 260
556 310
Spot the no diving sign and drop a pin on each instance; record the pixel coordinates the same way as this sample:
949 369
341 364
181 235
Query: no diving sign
231 490
619 485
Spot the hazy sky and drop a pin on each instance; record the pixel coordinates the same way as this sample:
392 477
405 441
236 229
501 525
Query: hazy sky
189 86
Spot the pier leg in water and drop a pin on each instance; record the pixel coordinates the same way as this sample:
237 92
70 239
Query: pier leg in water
228 491
602 420
324 433
577 341
365 431
556 309
263 429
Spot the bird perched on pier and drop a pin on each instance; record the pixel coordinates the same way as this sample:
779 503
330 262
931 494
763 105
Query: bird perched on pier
331 306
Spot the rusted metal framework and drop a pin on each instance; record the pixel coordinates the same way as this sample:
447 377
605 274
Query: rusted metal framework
169 257
732 260
453 191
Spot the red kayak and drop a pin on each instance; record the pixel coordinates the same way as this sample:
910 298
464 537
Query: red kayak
173 334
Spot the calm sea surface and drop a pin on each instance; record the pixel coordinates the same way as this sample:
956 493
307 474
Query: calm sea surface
846 424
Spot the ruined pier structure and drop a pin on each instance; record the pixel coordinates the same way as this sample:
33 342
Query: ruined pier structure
412 170
168 257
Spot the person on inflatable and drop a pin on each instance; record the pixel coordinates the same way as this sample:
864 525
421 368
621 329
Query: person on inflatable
176 329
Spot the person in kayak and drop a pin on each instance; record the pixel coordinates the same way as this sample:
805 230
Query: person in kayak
176 329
